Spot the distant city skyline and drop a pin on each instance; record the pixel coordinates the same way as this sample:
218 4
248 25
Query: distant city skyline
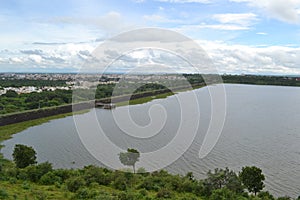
240 36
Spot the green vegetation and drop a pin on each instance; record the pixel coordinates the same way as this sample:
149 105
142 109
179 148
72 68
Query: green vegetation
130 157
261 80
252 178
144 99
24 156
41 181
13 102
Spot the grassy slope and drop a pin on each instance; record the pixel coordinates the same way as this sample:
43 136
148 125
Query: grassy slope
145 99
27 190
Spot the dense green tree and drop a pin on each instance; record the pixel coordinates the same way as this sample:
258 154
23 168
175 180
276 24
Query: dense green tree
75 183
93 174
252 178
35 172
221 178
11 94
3 194
24 155
130 158
223 194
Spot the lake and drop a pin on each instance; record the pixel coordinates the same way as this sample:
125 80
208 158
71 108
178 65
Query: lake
262 128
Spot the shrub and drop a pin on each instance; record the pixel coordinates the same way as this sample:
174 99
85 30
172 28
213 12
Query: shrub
164 193
96 174
265 196
34 173
223 194
50 178
75 183
3 194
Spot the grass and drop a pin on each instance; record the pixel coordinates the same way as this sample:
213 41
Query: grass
144 99
159 96
28 190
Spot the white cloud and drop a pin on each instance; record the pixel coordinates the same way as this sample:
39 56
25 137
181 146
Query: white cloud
53 57
284 10
226 22
256 60
36 58
262 33
15 60
227 27
242 19
227 58
186 1
177 1
160 19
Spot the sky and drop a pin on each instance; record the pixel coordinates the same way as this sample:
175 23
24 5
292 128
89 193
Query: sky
240 36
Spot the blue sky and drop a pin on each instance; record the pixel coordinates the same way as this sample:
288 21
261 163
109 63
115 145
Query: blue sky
241 36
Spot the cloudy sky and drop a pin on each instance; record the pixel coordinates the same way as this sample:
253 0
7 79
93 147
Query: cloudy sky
240 36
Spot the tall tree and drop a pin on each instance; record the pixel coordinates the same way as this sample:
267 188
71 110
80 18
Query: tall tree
252 178
130 157
24 155
222 178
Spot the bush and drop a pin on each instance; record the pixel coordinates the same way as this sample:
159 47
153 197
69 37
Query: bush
120 183
75 183
50 178
34 173
3 194
164 193
64 174
265 196
85 193
26 185
40 195
223 194
98 175
129 195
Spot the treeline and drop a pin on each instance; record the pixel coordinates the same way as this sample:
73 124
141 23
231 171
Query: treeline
13 102
25 179
262 80
246 79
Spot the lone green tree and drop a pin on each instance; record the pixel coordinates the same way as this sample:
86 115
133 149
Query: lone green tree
24 155
252 178
129 158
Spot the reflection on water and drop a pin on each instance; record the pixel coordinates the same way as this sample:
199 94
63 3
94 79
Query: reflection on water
261 128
